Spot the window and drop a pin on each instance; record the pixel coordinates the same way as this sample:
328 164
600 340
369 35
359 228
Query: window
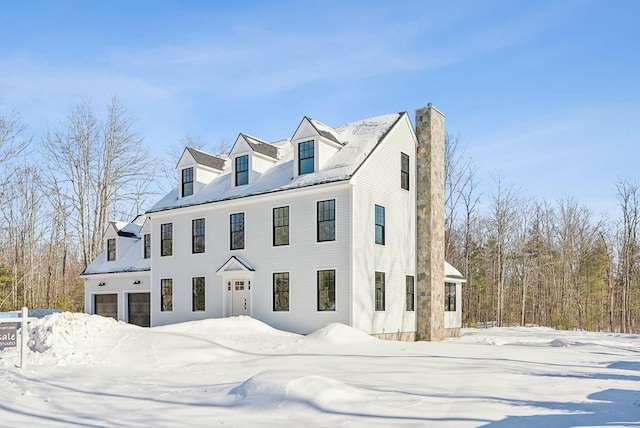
380 291
410 292
327 220
197 236
111 250
326 290
187 182
197 288
404 171
237 231
242 170
281 291
166 239
166 294
147 245
379 225
305 157
449 296
281 226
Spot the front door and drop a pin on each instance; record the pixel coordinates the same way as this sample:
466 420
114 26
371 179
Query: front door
240 296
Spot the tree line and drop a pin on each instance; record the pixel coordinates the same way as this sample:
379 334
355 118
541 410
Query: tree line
537 262
526 261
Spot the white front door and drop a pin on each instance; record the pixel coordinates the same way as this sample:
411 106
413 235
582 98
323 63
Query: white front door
240 296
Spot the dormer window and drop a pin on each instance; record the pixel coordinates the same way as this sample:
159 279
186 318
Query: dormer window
305 158
111 250
242 170
187 182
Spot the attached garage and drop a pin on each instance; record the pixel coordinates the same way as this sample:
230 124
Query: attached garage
106 305
139 305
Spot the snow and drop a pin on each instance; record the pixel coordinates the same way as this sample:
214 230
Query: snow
86 370
360 139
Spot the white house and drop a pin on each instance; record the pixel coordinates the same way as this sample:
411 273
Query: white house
321 227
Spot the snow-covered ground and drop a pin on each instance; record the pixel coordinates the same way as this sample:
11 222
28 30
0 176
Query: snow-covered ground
85 370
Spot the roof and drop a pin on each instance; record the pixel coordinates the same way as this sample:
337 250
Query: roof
131 260
326 131
206 159
452 273
261 147
359 140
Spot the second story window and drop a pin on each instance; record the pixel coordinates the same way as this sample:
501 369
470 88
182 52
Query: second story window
242 170
305 157
147 245
111 250
379 225
197 235
237 231
404 171
187 182
166 239
326 220
280 226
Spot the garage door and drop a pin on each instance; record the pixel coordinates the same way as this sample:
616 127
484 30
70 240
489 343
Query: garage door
106 305
140 309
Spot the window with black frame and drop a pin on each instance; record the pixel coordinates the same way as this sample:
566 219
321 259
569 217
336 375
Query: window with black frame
237 231
449 296
326 220
197 236
242 170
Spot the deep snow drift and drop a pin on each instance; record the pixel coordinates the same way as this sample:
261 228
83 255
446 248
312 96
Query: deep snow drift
85 370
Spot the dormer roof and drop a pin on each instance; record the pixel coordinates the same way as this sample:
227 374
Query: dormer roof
358 140
205 159
261 146
326 131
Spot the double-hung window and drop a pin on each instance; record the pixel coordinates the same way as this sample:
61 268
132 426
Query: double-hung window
449 296
404 171
166 294
237 231
326 214
187 182
305 158
197 235
379 225
281 291
326 290
410 292
380 292
111 250
166 239
147 245
198 294
280 226
242 170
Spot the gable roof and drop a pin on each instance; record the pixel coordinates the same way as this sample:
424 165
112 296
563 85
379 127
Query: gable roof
359 140
324 130
206 159
261 147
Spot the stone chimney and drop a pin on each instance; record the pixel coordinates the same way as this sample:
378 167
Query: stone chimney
430 224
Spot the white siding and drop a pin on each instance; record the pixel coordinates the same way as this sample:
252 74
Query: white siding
118 283
301 258
378 182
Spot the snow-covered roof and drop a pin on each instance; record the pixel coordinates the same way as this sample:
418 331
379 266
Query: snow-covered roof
452 273
359 139
131 260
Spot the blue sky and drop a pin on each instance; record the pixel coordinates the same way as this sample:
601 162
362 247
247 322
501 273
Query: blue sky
544 93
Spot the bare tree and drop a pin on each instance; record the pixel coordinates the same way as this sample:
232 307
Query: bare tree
99 169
